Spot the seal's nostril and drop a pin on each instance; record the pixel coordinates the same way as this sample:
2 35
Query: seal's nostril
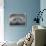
30 36
28 39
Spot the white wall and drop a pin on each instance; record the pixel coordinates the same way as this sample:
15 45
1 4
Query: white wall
1 21
43 6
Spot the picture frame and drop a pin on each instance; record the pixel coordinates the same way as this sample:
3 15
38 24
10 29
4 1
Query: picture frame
17 19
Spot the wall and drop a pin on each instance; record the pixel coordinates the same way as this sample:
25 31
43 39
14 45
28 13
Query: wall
1 21
43 6
27 6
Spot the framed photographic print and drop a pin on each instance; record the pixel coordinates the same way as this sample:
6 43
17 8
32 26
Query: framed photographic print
17 19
